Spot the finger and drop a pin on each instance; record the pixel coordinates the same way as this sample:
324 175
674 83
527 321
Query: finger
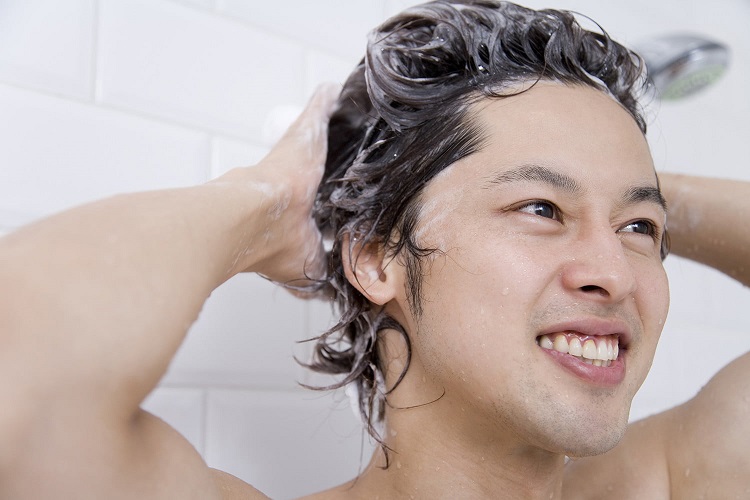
317 112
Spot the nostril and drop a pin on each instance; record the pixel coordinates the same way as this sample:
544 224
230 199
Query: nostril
593 288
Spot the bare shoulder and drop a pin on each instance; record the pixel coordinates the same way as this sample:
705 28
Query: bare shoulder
233 488
708 446
696 450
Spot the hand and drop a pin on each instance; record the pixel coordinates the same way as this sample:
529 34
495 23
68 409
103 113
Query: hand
287 180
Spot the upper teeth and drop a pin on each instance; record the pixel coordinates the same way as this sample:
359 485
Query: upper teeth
600 350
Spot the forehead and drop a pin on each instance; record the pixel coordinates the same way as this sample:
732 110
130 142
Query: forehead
579 131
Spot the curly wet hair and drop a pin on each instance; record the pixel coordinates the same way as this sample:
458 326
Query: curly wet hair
403 116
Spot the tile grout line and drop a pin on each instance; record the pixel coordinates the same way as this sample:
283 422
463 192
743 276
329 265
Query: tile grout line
134 113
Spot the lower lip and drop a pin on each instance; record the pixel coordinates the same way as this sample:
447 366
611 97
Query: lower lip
605 376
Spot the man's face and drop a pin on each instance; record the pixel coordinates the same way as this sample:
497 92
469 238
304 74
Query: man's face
550 235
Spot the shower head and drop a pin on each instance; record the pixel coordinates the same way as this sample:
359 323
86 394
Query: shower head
681 64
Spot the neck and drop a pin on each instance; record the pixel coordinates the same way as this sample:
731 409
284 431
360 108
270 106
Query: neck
434 462
445 448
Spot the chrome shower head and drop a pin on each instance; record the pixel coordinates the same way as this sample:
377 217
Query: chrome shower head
681 64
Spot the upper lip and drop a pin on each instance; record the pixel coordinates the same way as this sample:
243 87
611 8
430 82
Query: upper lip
594 326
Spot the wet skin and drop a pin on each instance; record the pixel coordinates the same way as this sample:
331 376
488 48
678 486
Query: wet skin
554 226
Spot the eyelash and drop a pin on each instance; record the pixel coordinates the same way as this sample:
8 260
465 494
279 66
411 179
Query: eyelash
652 229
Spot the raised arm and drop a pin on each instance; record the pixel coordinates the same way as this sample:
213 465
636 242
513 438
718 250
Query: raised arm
708 437
95 301
708 222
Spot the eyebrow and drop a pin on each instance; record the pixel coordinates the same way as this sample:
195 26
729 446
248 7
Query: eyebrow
645 193
539 173
536 173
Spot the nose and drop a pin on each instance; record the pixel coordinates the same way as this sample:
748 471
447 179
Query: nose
598 269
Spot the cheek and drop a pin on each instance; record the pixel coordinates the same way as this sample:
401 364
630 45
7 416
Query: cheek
653 298
484 277
653 304
475 298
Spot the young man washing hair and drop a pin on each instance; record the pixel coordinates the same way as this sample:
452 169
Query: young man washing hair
497 233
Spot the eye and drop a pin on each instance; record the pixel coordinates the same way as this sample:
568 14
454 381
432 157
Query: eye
542 209
641 227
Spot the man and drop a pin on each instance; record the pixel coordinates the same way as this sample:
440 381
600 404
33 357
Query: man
516 243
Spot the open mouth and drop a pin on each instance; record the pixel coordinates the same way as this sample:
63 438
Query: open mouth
597 350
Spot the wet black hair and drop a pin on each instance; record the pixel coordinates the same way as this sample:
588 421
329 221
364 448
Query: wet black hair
403 117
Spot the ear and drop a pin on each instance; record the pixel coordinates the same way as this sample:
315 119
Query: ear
368 271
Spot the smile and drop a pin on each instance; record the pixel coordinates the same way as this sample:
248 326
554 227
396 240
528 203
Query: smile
599 350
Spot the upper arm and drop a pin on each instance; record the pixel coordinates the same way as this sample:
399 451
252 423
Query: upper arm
141 458
709 446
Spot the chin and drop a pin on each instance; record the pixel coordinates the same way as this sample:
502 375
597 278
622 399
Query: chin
584 430
589 442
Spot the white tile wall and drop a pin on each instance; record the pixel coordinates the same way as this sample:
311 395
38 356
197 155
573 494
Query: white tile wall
58 152
322 67
245 337
31 52
102 96
337 26
184 64
285 443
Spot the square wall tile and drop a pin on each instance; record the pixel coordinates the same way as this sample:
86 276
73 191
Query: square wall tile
58 153
189 65
285 444
48 45
181 408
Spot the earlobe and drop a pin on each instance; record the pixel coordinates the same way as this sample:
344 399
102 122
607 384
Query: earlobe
365 268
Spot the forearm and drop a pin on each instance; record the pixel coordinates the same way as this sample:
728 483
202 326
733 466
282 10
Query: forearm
708 222
96 300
